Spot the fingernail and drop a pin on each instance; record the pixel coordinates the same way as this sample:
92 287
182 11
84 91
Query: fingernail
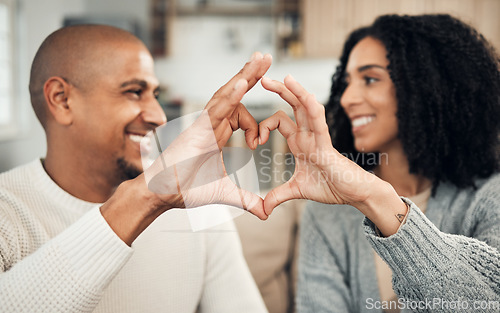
256 55
256 142
239 84
260 141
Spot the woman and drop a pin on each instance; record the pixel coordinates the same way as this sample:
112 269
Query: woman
415 100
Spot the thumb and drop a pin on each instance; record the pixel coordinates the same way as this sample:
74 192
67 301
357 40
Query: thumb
244 199
277 196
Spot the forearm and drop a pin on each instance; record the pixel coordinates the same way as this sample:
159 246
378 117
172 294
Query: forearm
427 263
67 274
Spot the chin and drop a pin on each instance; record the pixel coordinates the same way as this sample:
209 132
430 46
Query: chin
127 170
364 148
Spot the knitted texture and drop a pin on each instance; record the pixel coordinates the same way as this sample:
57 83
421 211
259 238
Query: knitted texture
58 254
445 261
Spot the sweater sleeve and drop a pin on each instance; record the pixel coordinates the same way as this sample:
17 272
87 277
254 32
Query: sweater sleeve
439 272
229 286
321 283
67 274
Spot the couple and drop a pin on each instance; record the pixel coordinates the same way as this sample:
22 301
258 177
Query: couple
68 221
80 229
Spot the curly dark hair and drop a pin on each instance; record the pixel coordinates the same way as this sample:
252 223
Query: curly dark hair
447 82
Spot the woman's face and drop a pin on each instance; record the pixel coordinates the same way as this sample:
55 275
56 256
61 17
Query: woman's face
370 98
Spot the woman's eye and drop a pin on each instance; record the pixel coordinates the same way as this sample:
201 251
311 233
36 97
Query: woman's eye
370 80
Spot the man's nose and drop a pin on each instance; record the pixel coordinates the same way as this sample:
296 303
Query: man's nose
153 113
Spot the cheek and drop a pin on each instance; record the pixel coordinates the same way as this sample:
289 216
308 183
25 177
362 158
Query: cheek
385 104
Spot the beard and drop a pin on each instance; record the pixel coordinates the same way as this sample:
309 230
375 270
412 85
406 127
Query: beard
127 171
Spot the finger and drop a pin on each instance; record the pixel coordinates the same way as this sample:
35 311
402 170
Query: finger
244 199
298 108
317 120
253 203
223 133
296 88
219 107
280 121
241 118
280 89
277 196
265 63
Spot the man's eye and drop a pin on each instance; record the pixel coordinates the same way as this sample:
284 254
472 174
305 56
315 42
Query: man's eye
156 95
137 92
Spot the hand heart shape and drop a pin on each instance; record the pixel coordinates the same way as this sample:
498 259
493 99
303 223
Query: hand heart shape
191 172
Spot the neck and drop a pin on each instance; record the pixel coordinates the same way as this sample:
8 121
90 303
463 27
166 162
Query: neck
78 177
394 169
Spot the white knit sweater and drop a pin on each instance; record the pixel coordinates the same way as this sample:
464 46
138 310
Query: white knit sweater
58 254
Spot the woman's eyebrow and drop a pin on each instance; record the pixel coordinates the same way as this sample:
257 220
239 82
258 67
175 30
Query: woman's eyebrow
370 66
365 68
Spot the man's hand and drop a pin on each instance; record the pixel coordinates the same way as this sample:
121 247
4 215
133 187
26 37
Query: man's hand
190 172
192 165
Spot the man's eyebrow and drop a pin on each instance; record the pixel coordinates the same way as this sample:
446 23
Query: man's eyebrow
139 82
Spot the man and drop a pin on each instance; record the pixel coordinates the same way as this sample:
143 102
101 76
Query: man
68 221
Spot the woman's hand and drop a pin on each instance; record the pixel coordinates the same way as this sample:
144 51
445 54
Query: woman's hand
321 173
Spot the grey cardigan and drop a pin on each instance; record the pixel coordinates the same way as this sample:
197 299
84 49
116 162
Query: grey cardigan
445 261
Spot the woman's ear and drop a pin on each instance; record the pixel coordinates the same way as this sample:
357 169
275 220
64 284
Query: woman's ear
57 91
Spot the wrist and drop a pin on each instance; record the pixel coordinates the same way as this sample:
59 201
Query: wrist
385 209
132 208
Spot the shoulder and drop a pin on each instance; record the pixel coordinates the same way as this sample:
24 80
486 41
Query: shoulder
15 185
486 195
475 212
489 188
18 181
486 199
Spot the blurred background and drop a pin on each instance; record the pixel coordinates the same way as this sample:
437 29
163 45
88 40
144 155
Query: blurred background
198 45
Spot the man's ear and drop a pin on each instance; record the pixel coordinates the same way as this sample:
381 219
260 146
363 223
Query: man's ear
57 91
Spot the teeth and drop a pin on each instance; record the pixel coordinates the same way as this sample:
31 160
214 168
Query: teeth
135 138
360 121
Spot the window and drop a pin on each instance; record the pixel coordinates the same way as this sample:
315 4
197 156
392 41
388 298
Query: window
7 116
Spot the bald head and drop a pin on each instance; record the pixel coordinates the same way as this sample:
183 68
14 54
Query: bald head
77 54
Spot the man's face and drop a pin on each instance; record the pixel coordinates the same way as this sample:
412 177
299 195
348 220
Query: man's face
115 109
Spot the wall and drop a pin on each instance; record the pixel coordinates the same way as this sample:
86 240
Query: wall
208 51
37 20
137 10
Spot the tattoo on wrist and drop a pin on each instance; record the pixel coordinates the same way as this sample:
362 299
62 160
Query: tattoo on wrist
400 217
